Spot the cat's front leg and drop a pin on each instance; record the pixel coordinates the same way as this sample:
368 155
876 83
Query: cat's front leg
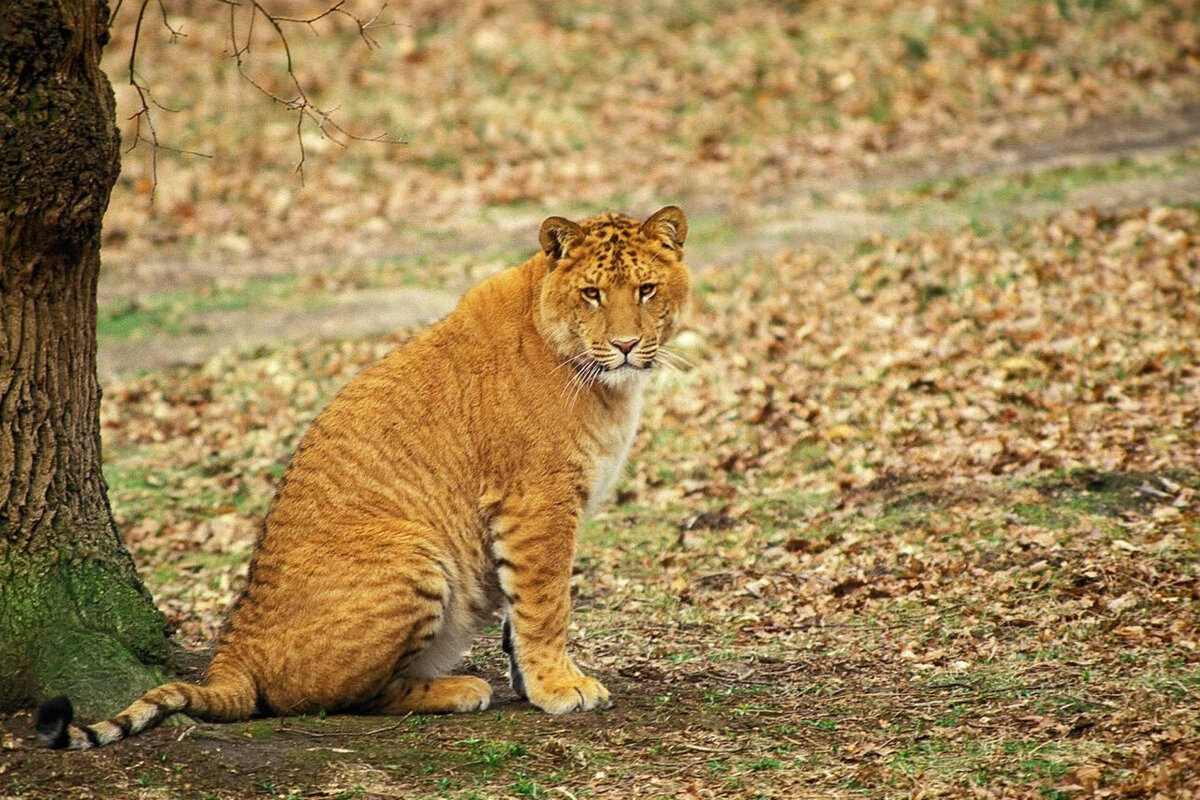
533 549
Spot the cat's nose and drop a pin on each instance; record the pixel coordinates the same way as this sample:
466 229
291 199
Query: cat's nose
624 345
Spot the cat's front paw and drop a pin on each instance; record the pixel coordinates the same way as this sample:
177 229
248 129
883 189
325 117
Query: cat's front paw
568 693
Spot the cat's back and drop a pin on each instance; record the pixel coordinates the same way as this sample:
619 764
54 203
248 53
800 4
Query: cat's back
439 379
424 419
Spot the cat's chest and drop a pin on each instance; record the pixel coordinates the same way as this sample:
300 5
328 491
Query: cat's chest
611 453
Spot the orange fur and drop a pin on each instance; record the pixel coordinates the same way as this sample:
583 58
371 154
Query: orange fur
443 483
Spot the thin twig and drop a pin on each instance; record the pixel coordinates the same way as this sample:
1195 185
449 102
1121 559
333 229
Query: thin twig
281 728
300 103
144 112
176 33
146 98
310 20
699 749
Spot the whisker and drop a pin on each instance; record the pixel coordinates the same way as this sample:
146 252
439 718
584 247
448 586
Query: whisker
667 361
597 378
676 356
575 383
575 359
594 378
575 379
587 378
666 348
583 365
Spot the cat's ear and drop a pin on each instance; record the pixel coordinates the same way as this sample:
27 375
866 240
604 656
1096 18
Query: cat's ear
558 235
668 224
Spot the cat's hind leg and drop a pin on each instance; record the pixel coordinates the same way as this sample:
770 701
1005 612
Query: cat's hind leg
448 602
454 694
352 619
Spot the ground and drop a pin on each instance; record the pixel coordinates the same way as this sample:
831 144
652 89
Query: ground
916 514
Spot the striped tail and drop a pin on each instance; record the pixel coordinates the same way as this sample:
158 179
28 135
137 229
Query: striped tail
225 698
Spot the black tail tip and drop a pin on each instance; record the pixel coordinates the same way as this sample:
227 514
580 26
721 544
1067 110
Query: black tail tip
53 717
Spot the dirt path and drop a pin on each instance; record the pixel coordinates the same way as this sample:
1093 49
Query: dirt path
840 222
355 313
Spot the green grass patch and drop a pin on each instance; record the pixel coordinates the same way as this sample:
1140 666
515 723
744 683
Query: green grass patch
140 487
169 313
963 200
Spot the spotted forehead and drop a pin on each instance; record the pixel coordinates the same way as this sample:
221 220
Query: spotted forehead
614 249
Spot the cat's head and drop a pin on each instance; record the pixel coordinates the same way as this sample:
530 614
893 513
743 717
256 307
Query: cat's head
613 291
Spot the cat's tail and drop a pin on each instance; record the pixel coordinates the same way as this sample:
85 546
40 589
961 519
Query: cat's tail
224 697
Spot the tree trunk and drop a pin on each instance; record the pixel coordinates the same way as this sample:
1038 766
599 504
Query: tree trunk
74 617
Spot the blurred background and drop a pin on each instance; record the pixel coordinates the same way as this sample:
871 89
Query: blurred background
771 123
920 517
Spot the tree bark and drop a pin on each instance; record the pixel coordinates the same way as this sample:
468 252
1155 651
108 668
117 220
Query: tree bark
74 617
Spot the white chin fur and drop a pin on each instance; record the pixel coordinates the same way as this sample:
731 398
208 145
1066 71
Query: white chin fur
625 378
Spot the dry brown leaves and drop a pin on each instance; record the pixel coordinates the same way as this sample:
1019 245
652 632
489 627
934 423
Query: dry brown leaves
1070 344
942 490
559 104
946 462
922 385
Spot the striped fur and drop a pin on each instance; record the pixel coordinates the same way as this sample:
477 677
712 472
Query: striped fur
226 700
442 484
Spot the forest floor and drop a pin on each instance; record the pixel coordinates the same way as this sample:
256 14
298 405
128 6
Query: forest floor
921 519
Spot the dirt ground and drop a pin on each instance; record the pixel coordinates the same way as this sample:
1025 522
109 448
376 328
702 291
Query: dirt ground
356 311
660 728
918 517
876 695
724 687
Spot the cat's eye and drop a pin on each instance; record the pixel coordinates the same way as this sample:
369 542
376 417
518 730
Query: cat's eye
647 290
591 293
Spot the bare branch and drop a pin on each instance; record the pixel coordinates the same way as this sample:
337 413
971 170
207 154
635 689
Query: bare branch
240 46
176 33
301 104
143 114
333 9
364 25
137 33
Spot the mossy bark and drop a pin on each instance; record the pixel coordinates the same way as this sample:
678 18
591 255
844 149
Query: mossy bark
74 618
